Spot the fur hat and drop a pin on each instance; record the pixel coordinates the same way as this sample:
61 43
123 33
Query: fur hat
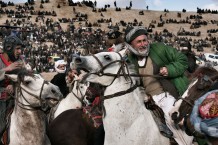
132 32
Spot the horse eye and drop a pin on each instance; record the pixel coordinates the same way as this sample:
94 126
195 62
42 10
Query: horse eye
27 82
107 57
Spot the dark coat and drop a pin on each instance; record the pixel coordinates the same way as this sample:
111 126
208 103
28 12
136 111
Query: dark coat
59 80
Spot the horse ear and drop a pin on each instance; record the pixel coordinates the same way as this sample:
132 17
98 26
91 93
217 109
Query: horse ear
122 52
12 77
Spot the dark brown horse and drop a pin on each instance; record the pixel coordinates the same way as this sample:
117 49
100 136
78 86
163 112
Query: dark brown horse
204 80
73 127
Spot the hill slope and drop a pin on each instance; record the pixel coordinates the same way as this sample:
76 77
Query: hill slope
128 16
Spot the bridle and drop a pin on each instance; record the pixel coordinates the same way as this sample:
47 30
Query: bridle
20 90
78 91
204 84
121 72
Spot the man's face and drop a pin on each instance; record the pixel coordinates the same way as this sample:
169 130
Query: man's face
62 66
17 51
140 44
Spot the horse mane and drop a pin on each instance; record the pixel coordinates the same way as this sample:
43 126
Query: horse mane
196 90
210 71
22 73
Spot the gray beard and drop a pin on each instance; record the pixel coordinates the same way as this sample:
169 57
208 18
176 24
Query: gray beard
145 53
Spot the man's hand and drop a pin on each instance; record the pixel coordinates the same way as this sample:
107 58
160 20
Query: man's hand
13 66
163 71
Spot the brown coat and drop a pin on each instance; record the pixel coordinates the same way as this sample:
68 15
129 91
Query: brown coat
152 85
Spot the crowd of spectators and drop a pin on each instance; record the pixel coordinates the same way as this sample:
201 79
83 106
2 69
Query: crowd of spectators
44 37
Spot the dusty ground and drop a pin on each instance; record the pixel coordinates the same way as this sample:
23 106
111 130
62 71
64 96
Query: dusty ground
48 76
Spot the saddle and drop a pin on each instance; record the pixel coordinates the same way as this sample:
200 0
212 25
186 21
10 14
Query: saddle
158 116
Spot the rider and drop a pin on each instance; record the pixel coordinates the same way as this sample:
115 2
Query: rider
9 61
158 59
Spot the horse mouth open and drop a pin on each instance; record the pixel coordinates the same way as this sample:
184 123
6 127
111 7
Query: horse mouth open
52 102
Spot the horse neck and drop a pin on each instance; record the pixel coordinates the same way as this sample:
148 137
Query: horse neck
22 107
120 83
71 100
27 127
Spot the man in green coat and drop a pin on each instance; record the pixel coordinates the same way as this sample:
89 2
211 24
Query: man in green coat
158 59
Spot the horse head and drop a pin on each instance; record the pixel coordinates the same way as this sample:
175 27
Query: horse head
33 92
203 81
102 67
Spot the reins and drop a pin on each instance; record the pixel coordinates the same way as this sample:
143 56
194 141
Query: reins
31 107
123 71
123 65
75 95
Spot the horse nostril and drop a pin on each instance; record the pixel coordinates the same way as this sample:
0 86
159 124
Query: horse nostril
174 116
78 60
53 91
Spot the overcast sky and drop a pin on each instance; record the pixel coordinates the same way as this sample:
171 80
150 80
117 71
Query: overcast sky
160 5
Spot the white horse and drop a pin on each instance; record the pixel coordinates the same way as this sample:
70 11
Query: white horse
126 120
28 121
74 100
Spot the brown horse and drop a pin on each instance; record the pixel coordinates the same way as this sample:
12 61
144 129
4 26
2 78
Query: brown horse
203 81
73 127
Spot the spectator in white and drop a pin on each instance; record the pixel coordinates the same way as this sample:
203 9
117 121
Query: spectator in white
59 79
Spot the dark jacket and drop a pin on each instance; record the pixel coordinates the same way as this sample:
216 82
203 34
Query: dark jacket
60 81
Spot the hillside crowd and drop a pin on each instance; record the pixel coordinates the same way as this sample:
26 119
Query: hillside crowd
45 38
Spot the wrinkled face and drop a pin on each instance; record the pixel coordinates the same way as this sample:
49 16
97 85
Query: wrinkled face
91 65
140 44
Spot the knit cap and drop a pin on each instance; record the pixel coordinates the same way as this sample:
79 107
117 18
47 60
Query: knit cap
132 32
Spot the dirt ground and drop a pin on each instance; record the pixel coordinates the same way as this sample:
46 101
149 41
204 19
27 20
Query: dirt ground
48 76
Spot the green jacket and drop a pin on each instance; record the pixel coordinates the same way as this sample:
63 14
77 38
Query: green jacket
175 61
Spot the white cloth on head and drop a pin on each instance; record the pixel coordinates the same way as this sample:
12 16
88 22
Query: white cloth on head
60 62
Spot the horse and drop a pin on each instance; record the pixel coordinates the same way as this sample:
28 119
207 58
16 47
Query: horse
126 120
70 125
33 96
74 100
203 80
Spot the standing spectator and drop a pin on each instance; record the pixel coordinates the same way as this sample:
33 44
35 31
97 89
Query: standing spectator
60 78
115 4
130 4
95 3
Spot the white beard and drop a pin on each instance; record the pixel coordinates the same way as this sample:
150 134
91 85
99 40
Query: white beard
136 52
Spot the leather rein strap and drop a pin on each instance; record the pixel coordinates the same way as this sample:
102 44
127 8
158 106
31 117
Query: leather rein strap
123 62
